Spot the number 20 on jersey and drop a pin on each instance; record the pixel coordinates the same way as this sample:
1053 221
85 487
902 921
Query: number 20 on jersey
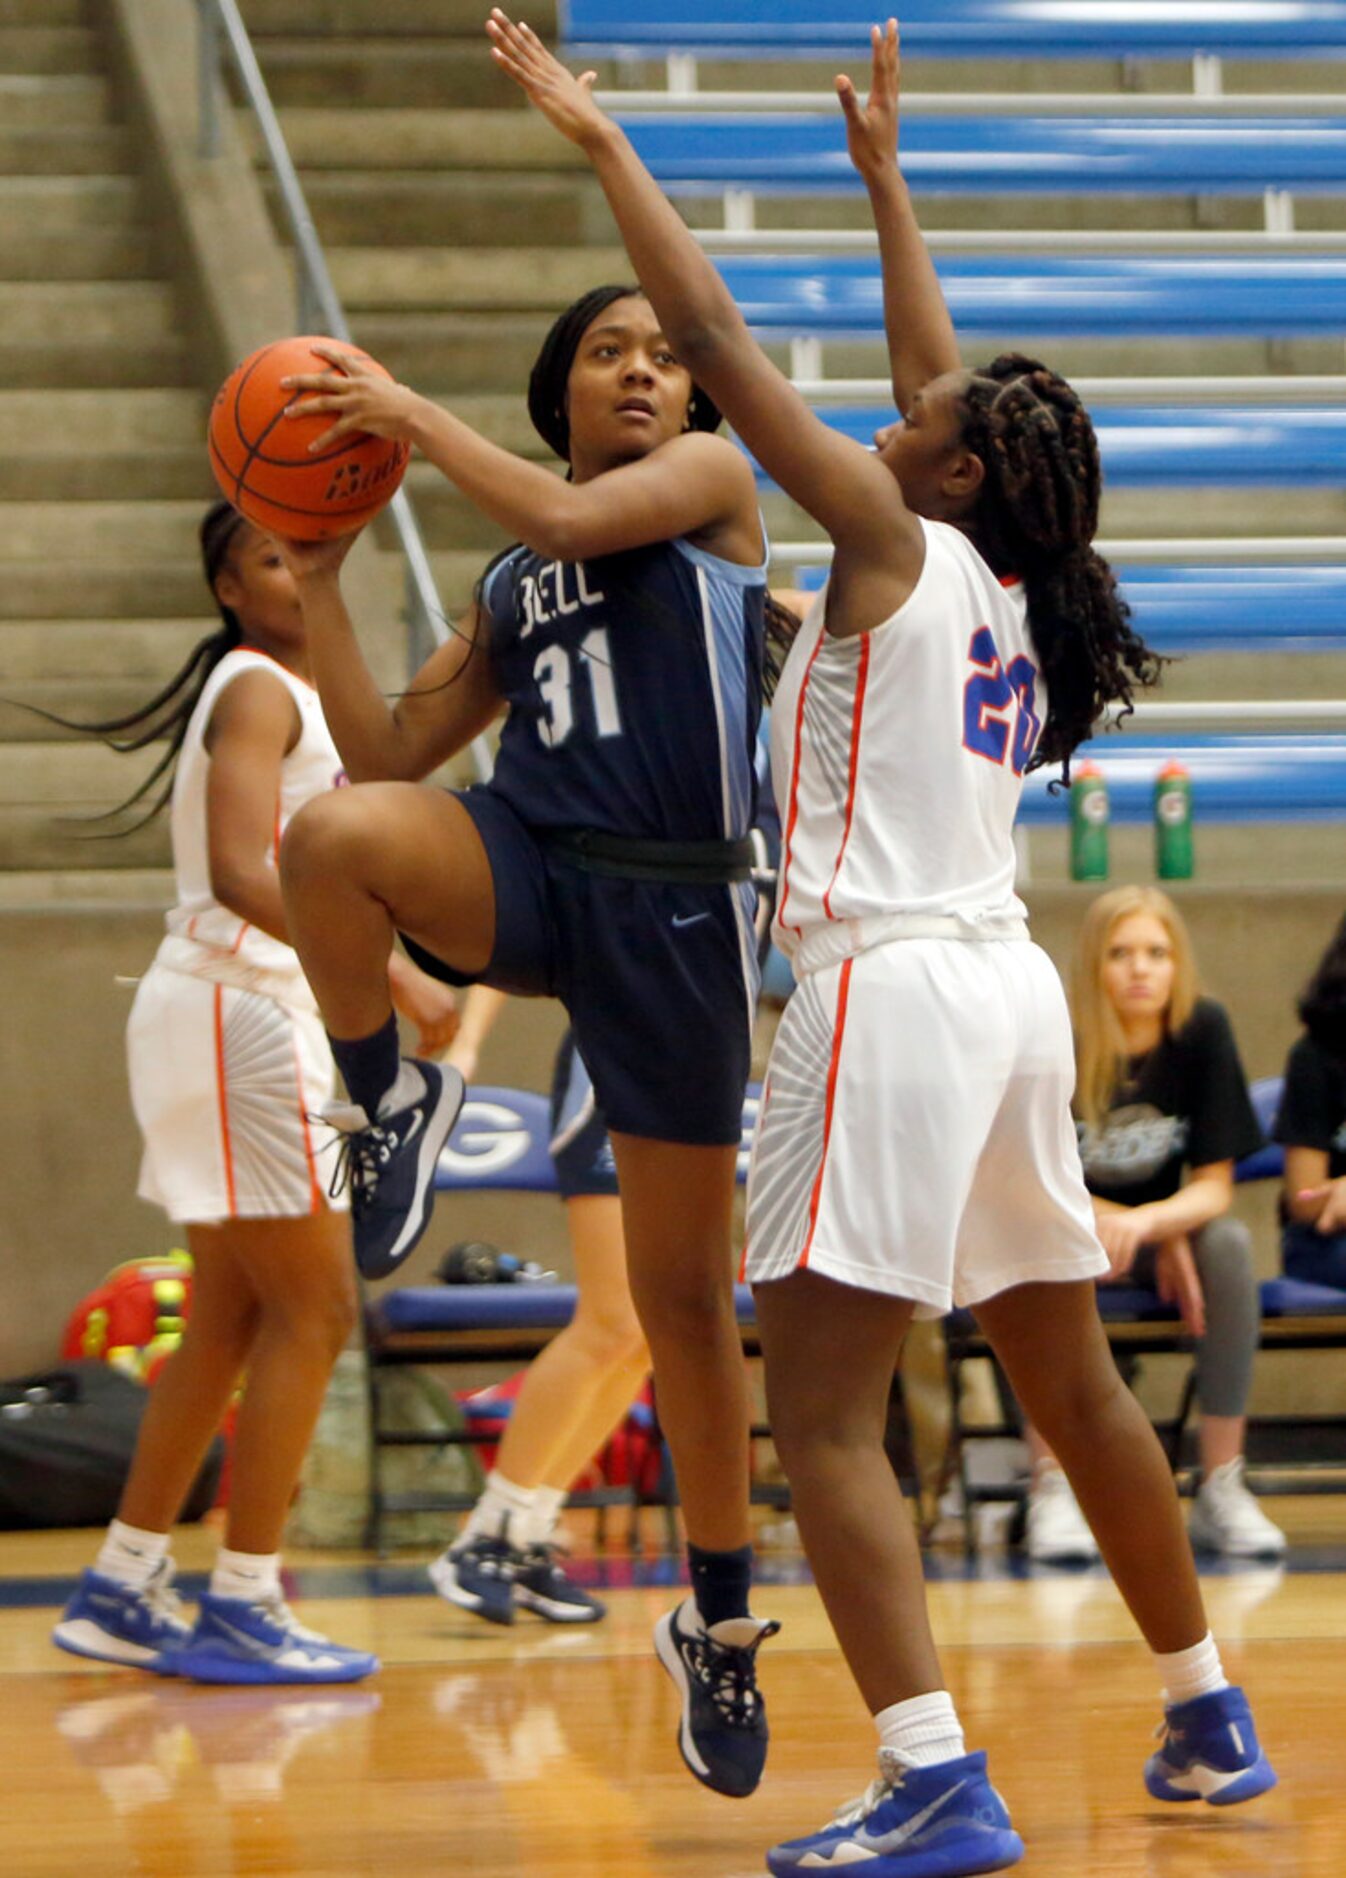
999 720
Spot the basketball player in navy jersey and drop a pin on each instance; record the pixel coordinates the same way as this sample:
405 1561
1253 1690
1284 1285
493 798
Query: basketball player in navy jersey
606 863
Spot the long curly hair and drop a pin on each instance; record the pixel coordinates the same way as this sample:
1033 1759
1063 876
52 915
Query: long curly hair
1036 517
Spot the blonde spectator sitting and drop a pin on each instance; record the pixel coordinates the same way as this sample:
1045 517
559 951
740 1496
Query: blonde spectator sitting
1163 1113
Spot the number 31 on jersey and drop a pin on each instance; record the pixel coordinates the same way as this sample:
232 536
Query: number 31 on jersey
998 716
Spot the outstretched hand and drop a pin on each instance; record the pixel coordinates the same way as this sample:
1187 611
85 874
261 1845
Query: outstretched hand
871 128
563 99
309 560
362 400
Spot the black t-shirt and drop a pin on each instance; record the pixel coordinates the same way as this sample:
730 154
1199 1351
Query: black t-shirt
1184 1104
1313 1107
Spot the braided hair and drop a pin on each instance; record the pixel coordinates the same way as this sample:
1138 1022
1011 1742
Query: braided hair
1036 517
168 712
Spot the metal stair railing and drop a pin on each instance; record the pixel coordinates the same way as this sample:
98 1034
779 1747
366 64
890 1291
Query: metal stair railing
319 310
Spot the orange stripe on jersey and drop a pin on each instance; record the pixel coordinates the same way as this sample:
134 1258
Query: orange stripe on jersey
815 1198
792 811
222 1087
857 712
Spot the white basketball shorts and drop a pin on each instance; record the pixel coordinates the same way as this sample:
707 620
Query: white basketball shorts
223 1084
915 1135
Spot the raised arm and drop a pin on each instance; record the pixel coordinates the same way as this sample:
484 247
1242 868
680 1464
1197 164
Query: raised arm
921 341
839 483
450 700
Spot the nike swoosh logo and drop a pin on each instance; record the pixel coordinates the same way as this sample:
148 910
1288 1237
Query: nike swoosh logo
890 1841
417 1119
247 1644
688 919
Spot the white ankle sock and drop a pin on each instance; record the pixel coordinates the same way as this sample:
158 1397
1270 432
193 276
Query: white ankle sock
250 1575
504 1511
540 1523
922 1731
130 1556
1186 1674
409 1088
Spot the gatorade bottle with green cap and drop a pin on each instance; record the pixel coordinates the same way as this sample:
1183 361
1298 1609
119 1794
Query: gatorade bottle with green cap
1173 850
1088 823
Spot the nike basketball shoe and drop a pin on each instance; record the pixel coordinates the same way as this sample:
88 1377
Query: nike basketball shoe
390 1161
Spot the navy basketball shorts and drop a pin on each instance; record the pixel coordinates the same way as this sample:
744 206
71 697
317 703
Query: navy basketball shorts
581 1152
659 978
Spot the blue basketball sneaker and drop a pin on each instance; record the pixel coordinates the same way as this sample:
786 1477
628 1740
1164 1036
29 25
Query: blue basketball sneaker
722 1732
477 1574
261 1640
912 1822
1210 1752
115 1624
390 1161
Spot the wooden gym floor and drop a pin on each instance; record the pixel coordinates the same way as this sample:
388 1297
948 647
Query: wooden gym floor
537 1752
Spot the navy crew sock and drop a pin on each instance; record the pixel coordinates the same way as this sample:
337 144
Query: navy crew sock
369 1065
721 1582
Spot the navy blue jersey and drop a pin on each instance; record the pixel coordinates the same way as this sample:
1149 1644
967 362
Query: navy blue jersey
634 690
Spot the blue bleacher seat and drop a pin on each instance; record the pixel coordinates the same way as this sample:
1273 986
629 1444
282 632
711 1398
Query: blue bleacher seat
1022 296
804 153
1234 779
1149 446
965 28
448 1308
1181 610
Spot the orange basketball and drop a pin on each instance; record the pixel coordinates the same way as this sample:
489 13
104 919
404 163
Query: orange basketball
261 457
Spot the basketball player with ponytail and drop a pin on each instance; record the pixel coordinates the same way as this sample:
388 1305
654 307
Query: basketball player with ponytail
227 1062
915 1148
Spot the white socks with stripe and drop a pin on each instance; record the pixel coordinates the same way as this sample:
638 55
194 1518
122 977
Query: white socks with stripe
1186 1674
252 1576
130 1556
523 1516
922 1731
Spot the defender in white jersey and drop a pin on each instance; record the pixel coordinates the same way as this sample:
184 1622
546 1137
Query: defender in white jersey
915 1141
228 1062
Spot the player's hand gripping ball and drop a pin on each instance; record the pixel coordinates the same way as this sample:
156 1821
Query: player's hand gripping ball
262 460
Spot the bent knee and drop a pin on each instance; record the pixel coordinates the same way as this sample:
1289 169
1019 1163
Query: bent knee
329 830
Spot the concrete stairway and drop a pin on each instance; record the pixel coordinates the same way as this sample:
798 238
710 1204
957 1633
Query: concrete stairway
103 473
456 223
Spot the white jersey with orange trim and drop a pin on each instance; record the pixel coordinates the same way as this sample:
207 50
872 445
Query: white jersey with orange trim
898 757
204 937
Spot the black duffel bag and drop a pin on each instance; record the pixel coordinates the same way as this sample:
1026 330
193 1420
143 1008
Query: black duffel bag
67 1436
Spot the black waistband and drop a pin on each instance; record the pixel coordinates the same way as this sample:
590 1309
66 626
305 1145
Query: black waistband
626 857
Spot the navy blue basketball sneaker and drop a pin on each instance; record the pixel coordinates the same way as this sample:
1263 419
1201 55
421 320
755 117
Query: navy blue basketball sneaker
946 1821
390 1161
722 1731
1210 1752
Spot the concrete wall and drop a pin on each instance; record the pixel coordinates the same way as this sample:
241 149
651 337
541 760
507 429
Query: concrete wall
67 1206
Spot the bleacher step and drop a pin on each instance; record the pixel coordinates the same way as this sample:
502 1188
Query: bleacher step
414 18
59 150
29 101
386 71
46 48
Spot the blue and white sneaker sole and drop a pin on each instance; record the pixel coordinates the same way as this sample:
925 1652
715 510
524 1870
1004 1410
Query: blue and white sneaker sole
304 1663
438 1127
82 1637
1211 1784
997 1852
557 1610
